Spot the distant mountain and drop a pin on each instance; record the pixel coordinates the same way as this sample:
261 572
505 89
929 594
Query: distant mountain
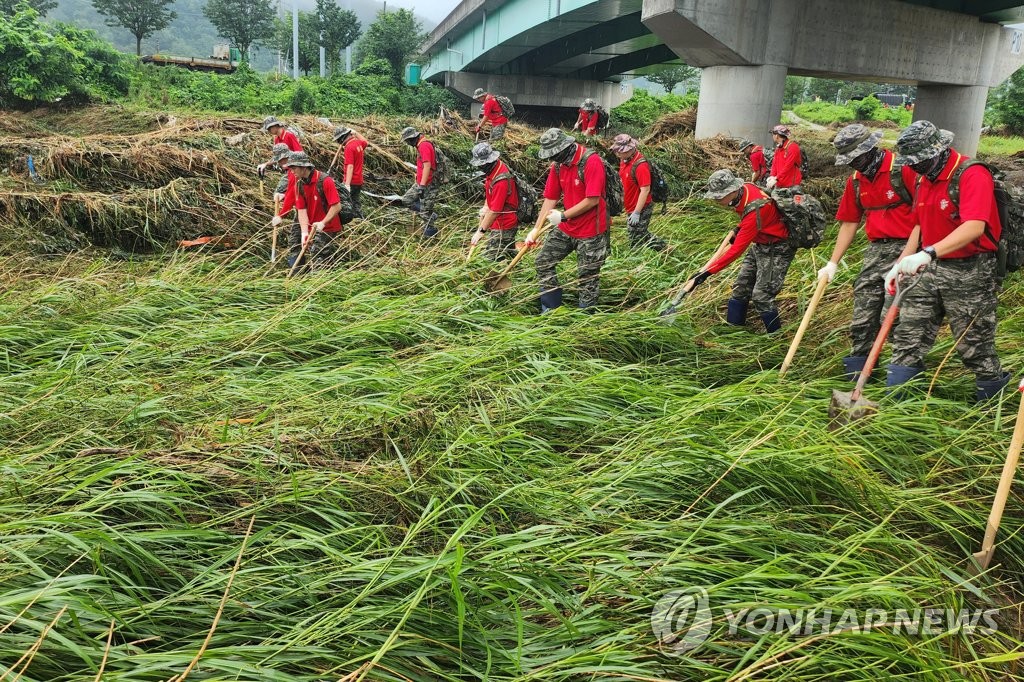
191 35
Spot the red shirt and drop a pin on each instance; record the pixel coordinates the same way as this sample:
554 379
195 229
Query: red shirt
288 138
564 183
772 227
425 153
588 120
630 188
934 210
493 113
309 199
289 196
786 165
757 161
884 220
354 149
502 198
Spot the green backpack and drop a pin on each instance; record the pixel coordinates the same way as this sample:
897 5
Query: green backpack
803 215
1010 203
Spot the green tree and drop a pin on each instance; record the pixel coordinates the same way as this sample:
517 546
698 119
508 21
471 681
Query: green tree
243 22
394 36
7 7
337 29
142 18
1008 103
674 75
309 48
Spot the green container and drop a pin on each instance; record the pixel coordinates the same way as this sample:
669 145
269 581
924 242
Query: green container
236 55
412 74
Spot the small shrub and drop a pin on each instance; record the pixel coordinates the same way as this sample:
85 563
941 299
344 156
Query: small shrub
866 109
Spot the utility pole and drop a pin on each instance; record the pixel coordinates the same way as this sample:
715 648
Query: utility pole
295 39
279 18
348 48
323 52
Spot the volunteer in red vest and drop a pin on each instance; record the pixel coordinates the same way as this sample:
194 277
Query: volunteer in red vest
635 172
586 122
577 179
355 148
764 268
422 195
785 170
957 229
879 194
758 164
490 113
281 136
498 214
284 200
318 206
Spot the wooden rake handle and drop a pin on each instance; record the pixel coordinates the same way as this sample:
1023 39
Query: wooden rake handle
1005 481
804 324
883 334
302 252
519 255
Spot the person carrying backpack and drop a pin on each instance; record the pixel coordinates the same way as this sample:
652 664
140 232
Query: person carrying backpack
491 113
587 121
422 195
758 163
352 173
957 265
785 169
282 135
635 172
499 213
764 268
318 205
879 193
581 227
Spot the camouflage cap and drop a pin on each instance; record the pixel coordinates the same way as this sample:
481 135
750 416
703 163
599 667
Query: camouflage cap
553 141
624 142
589 104
780 130
854 140
299 159
721 184
483 154
280 151
271 121
921 141
410 133
744 144
340 132
478 93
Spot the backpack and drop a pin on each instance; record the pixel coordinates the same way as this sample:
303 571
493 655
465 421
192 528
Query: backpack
805 165
602 118
613 194
1010 204
527 210
803 215
348 211
659 188
506 106
443 171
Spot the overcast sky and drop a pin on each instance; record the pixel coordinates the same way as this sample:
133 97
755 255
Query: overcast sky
435 10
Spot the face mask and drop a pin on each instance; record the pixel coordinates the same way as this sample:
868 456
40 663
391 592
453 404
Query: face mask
864 161
488 167
564 155
930 166
413 142
736 201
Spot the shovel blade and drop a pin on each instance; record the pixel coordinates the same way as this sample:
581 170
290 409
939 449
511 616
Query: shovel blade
844 410
980 561
495 284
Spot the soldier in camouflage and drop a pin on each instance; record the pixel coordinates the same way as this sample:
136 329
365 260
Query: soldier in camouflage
581 227
635 173
957 264
498 215
422 195
280 153
879 193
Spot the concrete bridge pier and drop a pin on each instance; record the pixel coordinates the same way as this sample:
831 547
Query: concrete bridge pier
959 108
740 101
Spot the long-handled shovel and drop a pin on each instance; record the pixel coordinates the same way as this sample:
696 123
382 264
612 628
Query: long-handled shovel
847 407
673 306
988 545
302 252
811 307
273 236
500 282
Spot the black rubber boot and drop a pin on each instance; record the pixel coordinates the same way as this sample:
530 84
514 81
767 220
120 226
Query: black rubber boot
737 312
772 321
897 375
853 364
550 300
991 388
428 228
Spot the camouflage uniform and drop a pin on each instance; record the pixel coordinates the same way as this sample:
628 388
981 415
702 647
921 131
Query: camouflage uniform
762 275
590 256
282 185
294 243
501 245
422 203
640 235
870 302
497 132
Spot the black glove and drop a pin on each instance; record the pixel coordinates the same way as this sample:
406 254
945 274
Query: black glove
700 277
732 237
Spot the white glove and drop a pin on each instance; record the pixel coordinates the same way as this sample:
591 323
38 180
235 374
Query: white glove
261 169
531 239
554 218
482 212
318 226
829 271
348 188
890 279
771 182
634 219
275 221
477 236
278 197
914 263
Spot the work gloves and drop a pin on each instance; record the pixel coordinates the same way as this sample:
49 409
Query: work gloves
482 212
771 182
318 226
261 169
634 219
421 190
828 272
890 279
531 239
477 236
914 263
699 278
275 221
554 218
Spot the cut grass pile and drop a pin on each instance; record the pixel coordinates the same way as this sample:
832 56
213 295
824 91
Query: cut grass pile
443 485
